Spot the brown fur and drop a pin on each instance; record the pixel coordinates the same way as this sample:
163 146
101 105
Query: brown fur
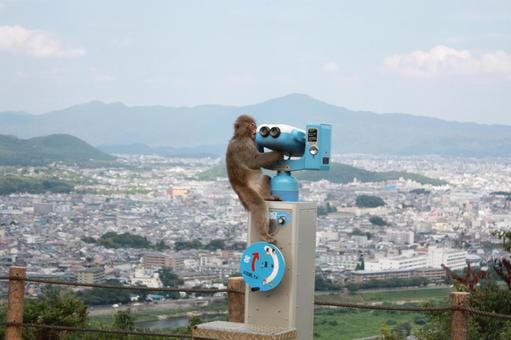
244 164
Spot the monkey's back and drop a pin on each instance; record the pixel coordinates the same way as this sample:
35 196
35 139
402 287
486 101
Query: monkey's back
238 172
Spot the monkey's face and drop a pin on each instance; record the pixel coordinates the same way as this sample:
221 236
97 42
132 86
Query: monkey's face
252 128
245 126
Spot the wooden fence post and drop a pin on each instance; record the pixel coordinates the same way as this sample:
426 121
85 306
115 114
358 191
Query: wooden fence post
236 299
459 319
15 302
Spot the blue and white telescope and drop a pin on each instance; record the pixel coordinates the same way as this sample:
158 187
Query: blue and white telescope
307 149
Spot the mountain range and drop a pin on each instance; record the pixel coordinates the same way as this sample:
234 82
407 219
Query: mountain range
171 130
47 149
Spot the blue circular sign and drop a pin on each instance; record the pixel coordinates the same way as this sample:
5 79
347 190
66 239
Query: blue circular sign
262 266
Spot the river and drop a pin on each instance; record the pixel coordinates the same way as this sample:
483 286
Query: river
176 322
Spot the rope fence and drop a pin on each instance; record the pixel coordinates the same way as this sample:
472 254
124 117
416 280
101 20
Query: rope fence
97 285
487 314
441 309
386 308
459 307
96 330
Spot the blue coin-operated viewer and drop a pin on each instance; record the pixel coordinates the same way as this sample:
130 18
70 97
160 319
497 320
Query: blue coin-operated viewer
280 277
306 150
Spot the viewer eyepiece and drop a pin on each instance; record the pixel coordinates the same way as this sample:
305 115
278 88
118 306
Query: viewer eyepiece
275 132
264 131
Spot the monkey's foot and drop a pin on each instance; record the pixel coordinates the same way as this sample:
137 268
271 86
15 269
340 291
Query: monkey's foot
273 198
268 238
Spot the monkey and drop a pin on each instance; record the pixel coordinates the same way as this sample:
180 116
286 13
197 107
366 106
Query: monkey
244 163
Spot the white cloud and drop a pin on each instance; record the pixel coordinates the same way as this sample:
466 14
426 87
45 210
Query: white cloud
442 60
34 43
330 67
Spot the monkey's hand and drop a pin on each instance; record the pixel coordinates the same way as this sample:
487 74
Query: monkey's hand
263 159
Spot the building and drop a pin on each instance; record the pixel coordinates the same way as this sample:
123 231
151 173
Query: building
335 260
402 262
365 275
156 260
433 274
432 258
176 191
146 278
91 275
400 237
452 258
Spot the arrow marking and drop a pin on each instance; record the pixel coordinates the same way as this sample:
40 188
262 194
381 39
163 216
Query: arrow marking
255 257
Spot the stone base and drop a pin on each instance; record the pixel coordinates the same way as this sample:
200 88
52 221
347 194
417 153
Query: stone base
225 330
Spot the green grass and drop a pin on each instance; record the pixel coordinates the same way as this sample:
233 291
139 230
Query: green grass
427 294
346 324
404 295
343 323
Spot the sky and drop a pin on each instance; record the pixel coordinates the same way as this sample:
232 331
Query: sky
445 59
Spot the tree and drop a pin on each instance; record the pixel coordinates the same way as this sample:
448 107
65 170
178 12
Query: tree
502 268
104 296
403 330
181 245
322 284
3 311
170 280
468 281
124 320
485 295
125 240
352 287
88 239
387 334
216 244
360 263
357 232
368 201
55 307
240 246
161 245
194 321
377 220
323 210
420 191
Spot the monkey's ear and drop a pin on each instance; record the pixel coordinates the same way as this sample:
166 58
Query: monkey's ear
236 126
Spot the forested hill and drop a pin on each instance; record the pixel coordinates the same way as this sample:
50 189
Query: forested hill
339 173
48 149
343 173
